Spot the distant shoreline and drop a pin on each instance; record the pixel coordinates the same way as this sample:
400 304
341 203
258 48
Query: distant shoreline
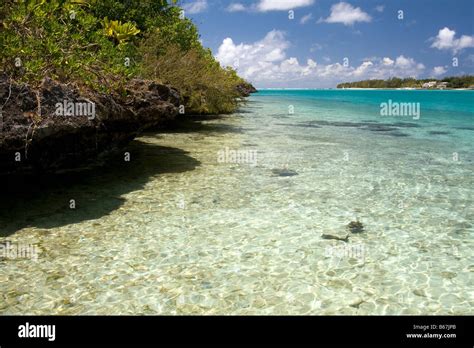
410 89
449 82
364 89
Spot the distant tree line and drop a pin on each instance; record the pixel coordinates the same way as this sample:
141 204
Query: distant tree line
466 81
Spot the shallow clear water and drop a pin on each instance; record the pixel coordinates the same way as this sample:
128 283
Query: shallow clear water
182 230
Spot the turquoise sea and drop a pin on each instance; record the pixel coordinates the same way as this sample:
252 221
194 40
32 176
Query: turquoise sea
226 216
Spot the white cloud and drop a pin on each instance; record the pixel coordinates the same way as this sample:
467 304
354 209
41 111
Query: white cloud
446 40
282 5
403 62
267 64
235 7
271 48
379 8
439 70
315 47
306 18
196 6
406 66
362 69
346 14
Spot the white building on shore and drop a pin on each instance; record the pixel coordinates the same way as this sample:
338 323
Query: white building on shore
442 85
430 84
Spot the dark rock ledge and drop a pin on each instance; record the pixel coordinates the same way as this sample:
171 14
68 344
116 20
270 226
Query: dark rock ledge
245 89
32 132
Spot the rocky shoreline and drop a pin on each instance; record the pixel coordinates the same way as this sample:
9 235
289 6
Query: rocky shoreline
59 127
246 89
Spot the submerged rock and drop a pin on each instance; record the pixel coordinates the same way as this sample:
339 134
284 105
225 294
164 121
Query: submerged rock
284 172
330 236
396 134
381 128
60 127
465 128
419 292
336 123
303 125
438 132
405 124
356 226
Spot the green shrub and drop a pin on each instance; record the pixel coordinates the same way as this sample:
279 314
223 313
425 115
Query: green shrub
205 85
120 32
90 42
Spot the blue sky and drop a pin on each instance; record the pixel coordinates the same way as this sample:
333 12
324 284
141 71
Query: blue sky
319 43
